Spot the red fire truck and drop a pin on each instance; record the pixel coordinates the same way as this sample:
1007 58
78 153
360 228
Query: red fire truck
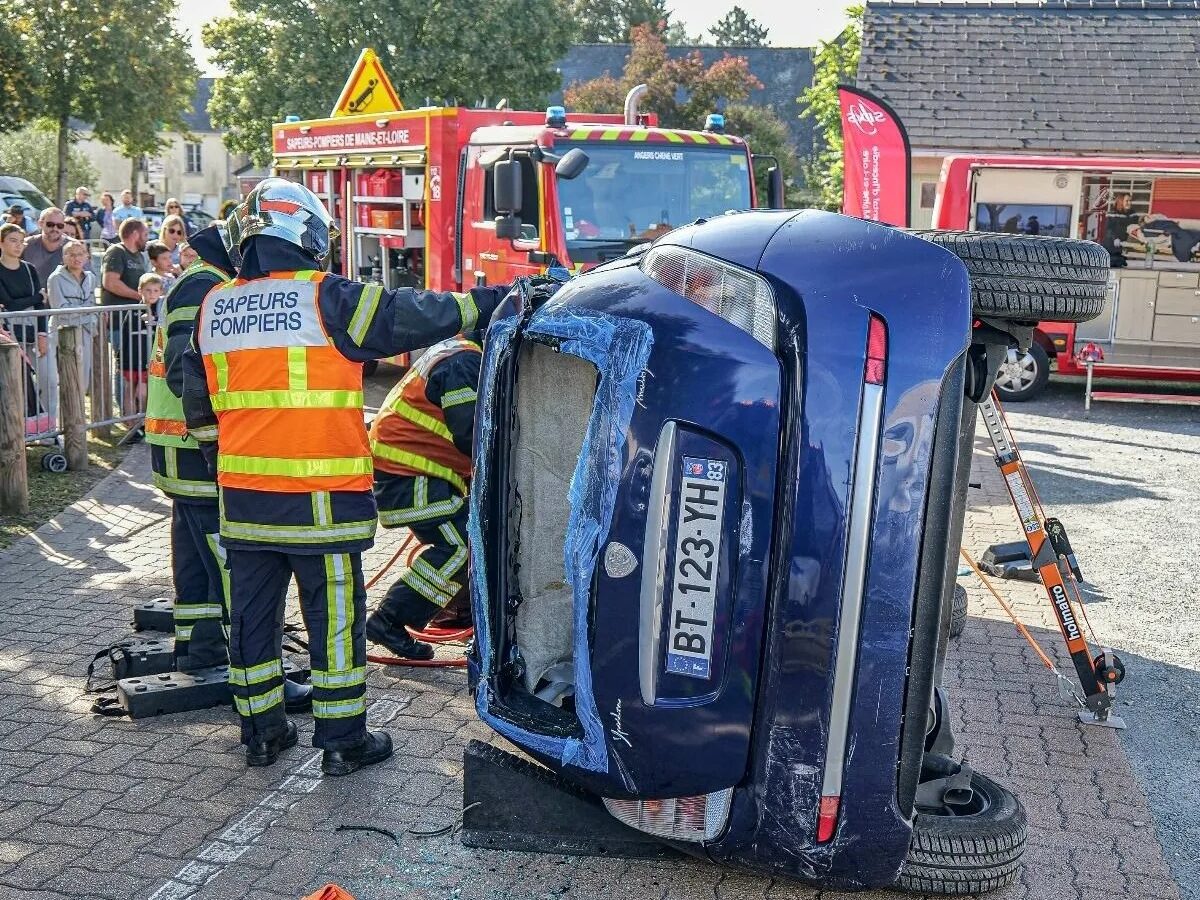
415 191
1146 212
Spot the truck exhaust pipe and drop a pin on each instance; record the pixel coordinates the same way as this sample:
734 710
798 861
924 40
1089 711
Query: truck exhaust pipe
631 103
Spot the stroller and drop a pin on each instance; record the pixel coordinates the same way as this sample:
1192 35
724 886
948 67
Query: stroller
39 424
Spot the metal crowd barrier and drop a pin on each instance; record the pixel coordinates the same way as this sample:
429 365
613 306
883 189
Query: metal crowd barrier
113 345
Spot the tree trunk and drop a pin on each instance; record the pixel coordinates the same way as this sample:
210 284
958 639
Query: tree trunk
14 479
64 147
70 397
135 170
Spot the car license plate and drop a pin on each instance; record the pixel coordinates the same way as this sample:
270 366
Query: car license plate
697 554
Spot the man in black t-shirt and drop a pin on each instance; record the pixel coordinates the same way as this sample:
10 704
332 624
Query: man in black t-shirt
124 265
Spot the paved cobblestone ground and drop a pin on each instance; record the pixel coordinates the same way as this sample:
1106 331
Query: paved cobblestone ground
165 808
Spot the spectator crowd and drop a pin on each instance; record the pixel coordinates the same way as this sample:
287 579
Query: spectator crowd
50 266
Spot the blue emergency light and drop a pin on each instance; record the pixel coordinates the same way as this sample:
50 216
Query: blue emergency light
291 118
556 116
715 123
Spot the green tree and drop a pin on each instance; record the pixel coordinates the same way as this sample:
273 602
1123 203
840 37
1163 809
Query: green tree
291 57
99 61
32 153
704 88
737 29
766 134
836 62
610 21
18 87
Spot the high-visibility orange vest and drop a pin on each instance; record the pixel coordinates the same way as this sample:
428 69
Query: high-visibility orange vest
288 404
409 436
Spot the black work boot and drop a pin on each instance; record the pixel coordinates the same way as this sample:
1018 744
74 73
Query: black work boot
375 748
263 752
397 640
296 697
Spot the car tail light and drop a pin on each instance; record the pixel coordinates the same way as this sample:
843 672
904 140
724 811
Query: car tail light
827 818
876 351
737 295
699 818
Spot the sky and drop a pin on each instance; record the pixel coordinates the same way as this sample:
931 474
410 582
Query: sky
800 23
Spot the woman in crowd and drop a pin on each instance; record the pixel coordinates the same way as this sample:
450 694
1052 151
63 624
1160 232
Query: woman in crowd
71 284
104 215
173 233
20 290
175 208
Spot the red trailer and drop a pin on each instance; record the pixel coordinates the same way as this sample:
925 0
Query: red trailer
1146 211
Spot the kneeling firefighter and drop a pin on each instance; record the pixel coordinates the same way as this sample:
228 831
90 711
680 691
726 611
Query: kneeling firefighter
421 441
180 472
274 376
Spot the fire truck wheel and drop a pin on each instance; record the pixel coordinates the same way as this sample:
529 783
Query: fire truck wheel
1030 278
969 847
958 611
1023 373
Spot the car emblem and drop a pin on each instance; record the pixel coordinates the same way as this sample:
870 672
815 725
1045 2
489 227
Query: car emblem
619 560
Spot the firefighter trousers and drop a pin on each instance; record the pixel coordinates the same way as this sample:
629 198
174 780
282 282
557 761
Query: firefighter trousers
431 581
201 587
333 603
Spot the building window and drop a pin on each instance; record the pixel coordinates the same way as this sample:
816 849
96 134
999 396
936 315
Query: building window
928 194
192 152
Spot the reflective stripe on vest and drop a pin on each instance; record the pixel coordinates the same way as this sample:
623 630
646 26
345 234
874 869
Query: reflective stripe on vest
409 436
288 404
165 424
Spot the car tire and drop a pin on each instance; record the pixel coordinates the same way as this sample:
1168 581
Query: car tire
969 853
958 611
1023 374
1029 278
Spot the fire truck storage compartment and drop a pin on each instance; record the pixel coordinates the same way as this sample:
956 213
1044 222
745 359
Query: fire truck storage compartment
387 222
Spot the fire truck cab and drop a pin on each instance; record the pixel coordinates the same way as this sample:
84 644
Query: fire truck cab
415 192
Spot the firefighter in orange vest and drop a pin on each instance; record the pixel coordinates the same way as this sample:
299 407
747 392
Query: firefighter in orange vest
421 441
274 377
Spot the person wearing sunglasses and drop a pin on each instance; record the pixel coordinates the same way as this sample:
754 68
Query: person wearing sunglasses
43 250
172 233
175 208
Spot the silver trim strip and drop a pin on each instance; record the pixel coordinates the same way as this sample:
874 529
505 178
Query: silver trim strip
853 583
654 563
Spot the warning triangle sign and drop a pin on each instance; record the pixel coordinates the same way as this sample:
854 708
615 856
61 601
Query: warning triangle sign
368 90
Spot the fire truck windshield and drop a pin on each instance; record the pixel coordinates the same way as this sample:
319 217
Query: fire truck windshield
632 193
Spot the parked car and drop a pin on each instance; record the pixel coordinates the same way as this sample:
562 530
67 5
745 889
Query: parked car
15 190
719 486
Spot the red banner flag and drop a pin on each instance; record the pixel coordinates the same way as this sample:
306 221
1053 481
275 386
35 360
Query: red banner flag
877 163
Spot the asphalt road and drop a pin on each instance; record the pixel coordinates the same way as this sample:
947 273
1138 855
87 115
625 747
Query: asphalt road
1125 480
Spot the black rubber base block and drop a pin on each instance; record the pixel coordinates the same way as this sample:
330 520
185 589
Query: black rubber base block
137 658
510 803
175 692
156 615
1009 561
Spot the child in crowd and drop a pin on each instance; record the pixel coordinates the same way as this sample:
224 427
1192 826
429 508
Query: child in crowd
136 337
160 264
187 255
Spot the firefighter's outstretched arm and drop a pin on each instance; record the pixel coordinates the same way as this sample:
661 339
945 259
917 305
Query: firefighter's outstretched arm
197 406
452 385
367 322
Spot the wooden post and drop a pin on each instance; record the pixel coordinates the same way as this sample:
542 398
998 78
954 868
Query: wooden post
101 382
14 479
70 397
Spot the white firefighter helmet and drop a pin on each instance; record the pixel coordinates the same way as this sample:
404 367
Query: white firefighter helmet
288 211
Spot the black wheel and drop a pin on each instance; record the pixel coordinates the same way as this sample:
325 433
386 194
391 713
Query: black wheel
1030 278
1107 674
971 846
958 611
54 462
1023 374
370 367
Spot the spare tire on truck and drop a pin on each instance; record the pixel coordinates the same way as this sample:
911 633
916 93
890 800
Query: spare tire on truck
1028 278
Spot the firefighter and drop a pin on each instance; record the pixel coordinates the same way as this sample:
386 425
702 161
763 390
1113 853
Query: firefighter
180 472
274 375
421 441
